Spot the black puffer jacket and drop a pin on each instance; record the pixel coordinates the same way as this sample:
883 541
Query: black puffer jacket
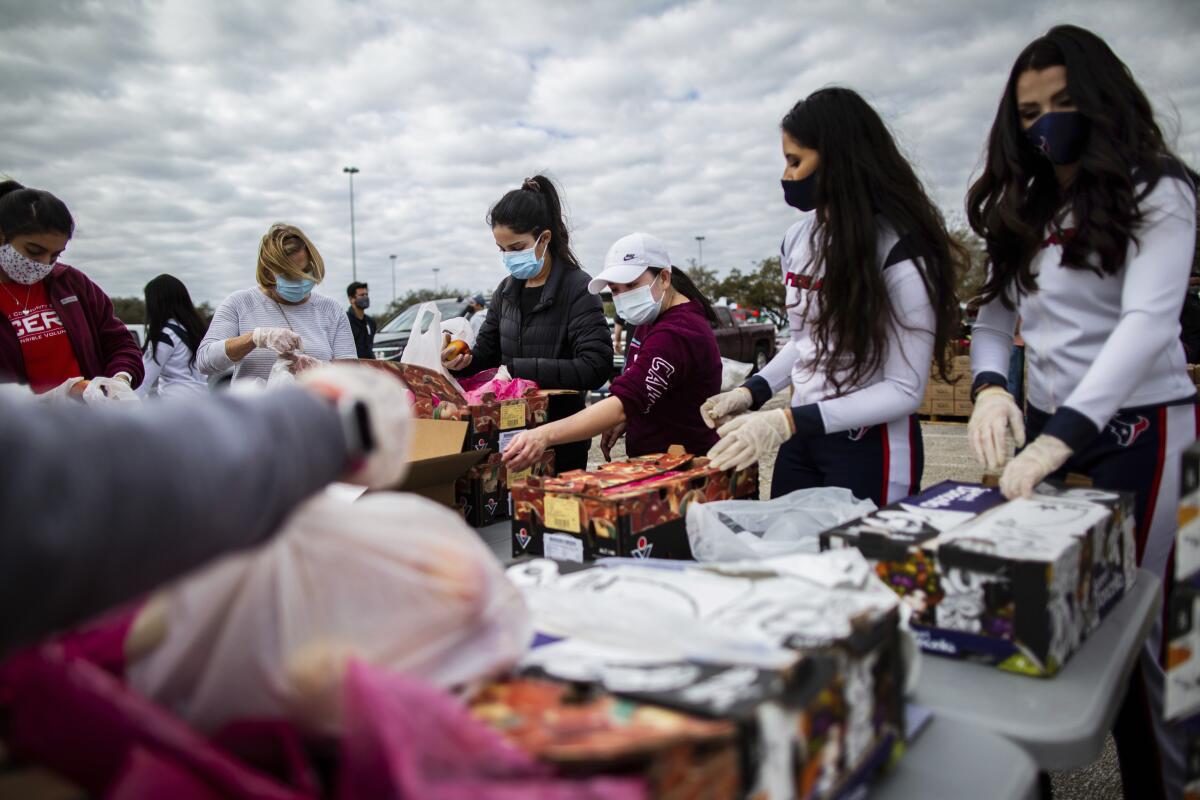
565 343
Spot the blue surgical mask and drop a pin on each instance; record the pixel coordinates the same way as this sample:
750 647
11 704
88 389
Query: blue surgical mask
638 306
801 194
523 264
1059 136
293 291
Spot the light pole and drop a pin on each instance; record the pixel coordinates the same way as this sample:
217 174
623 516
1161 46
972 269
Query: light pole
393 258
700 251
351 171
435 282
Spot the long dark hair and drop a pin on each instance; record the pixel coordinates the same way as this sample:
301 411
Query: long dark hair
1018 193
166 299
31 211
683 284
535 208
862 177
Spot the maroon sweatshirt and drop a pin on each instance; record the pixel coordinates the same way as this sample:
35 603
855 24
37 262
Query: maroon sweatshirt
103 345
672 366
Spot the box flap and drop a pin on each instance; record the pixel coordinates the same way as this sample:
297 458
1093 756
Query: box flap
436 437
439 470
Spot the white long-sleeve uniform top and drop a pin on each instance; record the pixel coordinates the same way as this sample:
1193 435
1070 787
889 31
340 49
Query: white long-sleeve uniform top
1098 344
896 389
169 372
320 322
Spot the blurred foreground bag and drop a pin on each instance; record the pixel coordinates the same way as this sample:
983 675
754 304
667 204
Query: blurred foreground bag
393 580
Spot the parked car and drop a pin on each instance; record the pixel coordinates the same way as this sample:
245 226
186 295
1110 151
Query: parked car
139 333
392 337
752 343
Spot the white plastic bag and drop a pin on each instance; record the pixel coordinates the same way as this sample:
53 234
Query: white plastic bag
734 530
733 373
393 580
424 346
460 328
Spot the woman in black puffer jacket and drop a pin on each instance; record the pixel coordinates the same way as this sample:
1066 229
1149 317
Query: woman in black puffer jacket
542 323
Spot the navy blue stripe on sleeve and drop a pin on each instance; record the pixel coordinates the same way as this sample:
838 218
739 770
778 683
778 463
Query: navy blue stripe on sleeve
986 379
808 421
1073 428
760 391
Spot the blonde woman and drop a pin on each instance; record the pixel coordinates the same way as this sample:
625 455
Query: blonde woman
279 317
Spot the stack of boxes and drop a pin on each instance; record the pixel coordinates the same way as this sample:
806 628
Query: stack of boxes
1018 585
1182 691
952 399
1194 374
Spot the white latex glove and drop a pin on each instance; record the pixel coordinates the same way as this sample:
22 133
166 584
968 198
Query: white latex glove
389 417
1032 465
63 392
746 439
720 407
995 414
299 362
281 340
106 391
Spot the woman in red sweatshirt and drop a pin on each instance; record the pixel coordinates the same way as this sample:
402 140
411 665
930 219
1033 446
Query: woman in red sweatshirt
61 334
672 363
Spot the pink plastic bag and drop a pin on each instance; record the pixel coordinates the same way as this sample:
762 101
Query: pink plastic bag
406 740
491 385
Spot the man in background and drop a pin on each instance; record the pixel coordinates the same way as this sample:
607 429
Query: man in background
362 325
478 312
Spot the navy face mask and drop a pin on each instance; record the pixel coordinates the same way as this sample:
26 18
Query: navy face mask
1059 136
801 194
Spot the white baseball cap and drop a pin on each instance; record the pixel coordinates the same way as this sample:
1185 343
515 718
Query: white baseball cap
630 257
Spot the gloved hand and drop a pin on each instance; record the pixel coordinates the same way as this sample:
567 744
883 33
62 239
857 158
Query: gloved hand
526 448
995 413
1044 456
720 407
609 439
746 439
70 389
281 340
105 391
299 362
389 417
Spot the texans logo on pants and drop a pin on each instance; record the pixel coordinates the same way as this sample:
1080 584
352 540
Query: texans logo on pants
1127 429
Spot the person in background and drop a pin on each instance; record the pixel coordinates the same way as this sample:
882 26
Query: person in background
60 335
279 317
362 324
673 365
544 325
478 313
869 273
619 329
173 332
1090 224
104 508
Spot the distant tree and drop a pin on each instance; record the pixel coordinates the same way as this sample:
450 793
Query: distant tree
205 310
971 280
759 288
705 279
130 310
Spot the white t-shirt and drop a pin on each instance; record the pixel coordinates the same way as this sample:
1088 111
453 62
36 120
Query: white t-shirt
168 371
320 322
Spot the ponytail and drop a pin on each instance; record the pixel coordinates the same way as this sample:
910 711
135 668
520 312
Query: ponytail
30 211
683 284
535 208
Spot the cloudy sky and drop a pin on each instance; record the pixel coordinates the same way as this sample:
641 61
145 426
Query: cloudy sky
177 131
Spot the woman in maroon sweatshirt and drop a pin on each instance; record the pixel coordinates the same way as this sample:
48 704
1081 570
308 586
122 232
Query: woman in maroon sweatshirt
671 363
57 328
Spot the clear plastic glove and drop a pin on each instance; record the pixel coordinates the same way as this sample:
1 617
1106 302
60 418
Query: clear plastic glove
609 439
281 340
1044 456
995 414
70 389
389 416
105 391
720 407
524 450
454 360
299 362
746 439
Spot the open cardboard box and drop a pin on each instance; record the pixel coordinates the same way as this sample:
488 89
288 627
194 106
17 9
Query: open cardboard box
437 460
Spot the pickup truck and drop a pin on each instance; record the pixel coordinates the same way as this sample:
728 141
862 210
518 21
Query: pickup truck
752 343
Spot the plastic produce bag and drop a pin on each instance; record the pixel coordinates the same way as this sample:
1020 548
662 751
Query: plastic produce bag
424 346
733 530
460 328
733 373
496 384
394 580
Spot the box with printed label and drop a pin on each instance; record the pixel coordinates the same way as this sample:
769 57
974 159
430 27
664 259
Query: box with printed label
942 408
940 390
815 728
1182 690
483 492
1187 541
633 508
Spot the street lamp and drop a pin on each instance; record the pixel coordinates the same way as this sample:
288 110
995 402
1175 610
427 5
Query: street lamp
393 258
699 251
435 282
351 171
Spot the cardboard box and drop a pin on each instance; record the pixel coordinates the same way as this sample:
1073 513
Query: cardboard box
942 408
1182 693
962 389
963 408
941 391
1187 541
817 728
633 508
483 492
437 460
961 365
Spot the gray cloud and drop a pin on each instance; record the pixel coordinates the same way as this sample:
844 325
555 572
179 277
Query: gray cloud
177 132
